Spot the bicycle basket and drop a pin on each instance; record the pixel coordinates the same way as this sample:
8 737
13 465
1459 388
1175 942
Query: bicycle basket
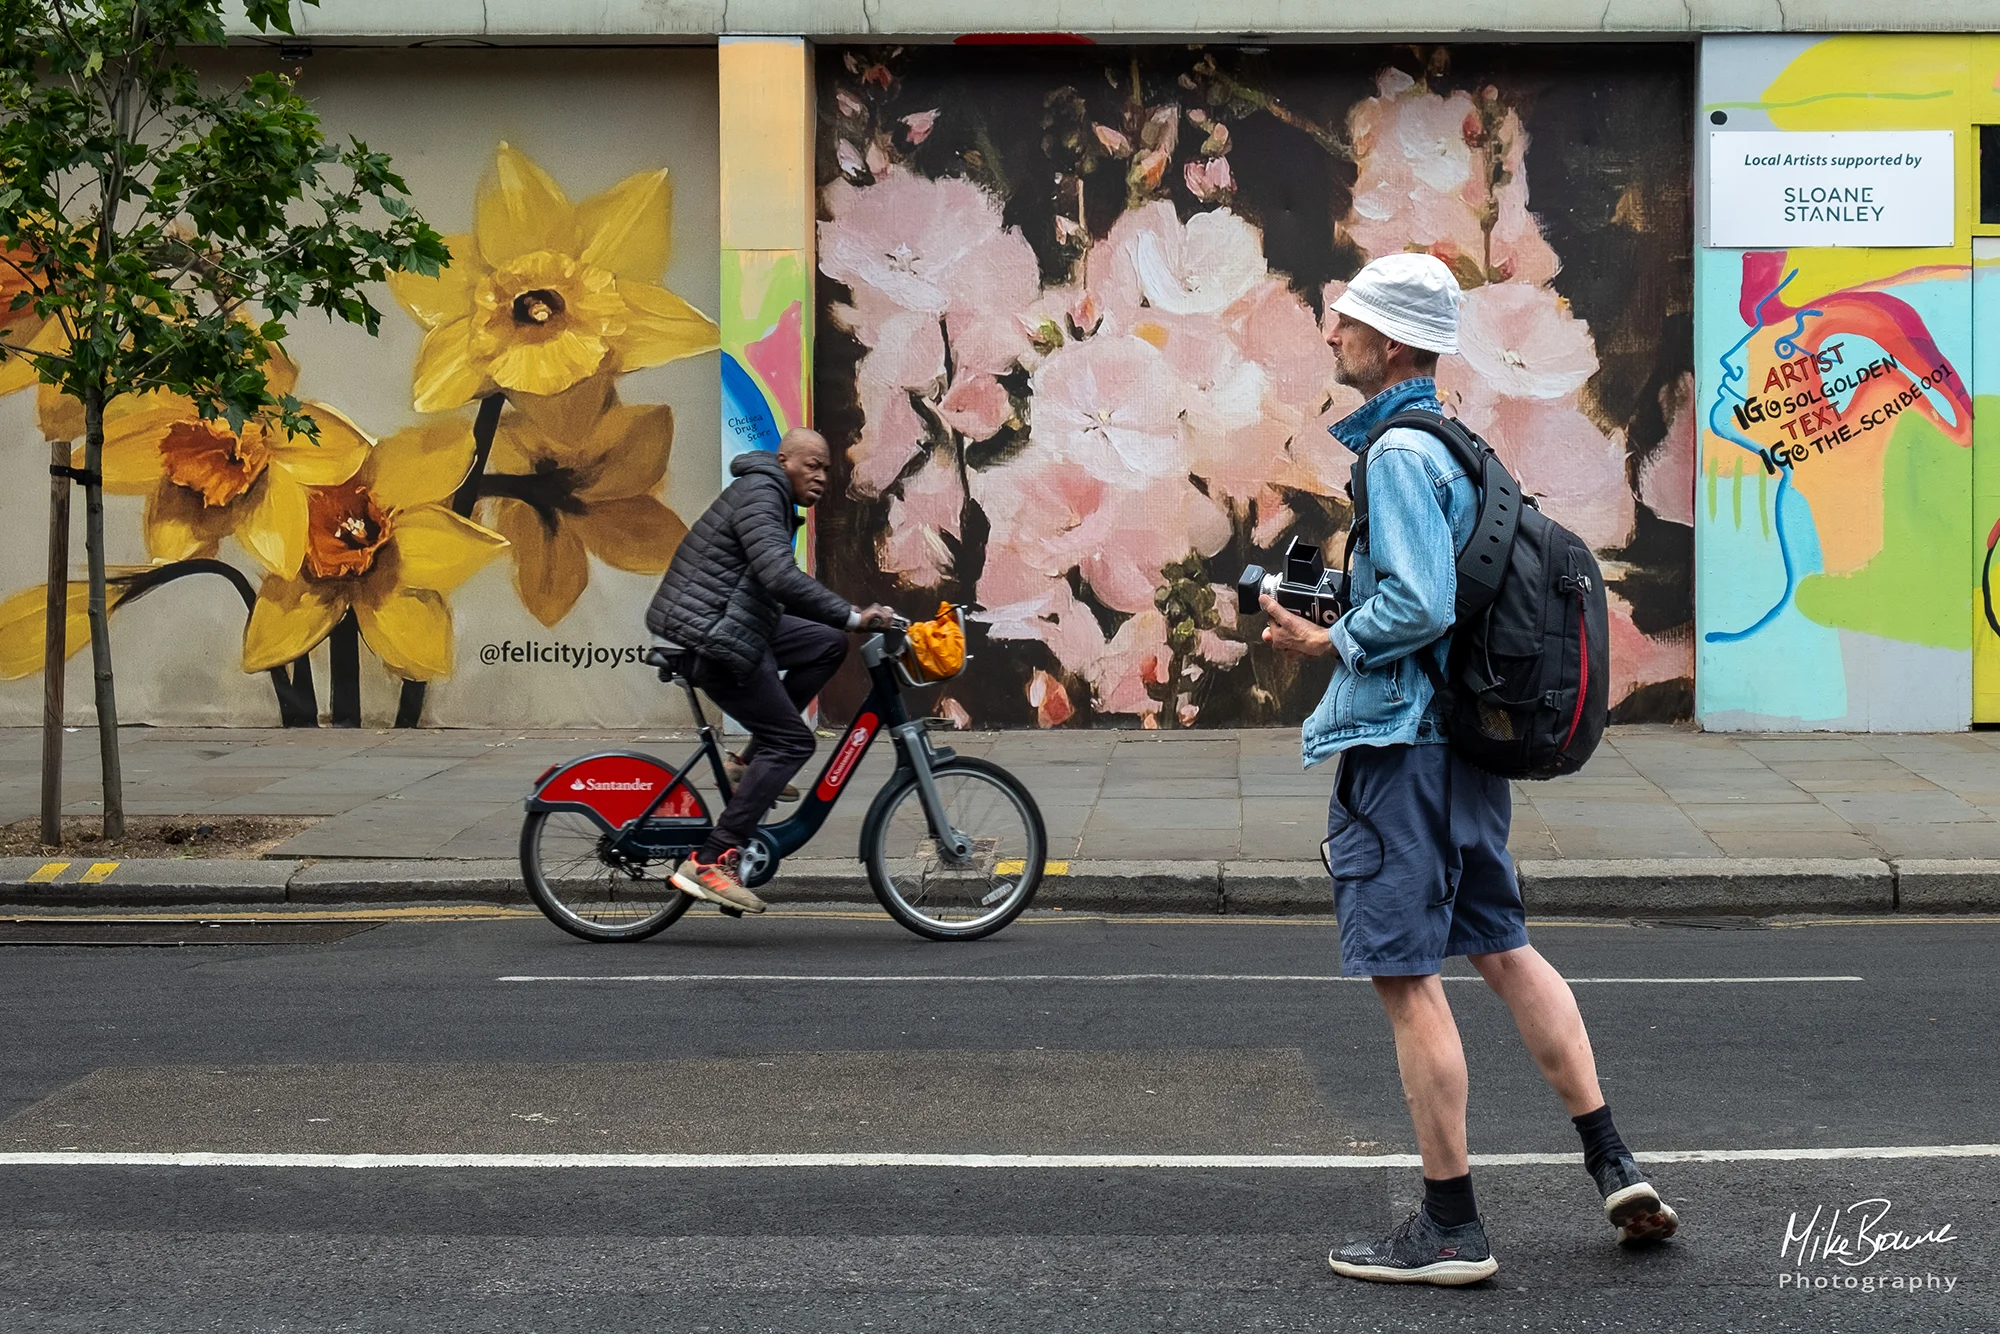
934 650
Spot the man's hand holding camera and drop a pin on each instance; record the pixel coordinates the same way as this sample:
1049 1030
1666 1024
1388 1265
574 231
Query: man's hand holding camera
1289 633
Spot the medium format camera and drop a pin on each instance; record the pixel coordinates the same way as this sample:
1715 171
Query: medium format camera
1306 588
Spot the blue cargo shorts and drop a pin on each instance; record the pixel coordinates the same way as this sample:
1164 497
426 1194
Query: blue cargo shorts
1417 844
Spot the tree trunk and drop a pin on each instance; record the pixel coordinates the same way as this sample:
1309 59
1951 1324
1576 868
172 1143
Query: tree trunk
100 620
55 645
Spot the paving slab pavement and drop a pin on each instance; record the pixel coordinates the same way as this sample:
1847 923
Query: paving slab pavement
1737 822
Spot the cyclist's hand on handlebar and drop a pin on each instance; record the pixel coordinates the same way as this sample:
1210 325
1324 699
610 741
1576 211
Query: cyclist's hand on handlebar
875 616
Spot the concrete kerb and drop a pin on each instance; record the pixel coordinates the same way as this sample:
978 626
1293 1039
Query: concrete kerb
1634 888
1747 886
407 880
1137 886
1931 884
152 881
1276 888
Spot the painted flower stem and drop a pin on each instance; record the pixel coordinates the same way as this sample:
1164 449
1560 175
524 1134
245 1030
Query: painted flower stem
298 706
1271 106
483 427
343 649
410 704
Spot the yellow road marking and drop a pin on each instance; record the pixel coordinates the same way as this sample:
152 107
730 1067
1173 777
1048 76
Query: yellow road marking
412 914
1894 919
1054 917
1016 865
49 871
97 874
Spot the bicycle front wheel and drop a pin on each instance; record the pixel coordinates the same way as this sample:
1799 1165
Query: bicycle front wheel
946 898
585 892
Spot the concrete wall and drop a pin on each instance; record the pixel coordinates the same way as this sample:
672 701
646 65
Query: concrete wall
695 19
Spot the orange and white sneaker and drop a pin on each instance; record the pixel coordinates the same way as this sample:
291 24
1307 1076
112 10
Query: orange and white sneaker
716 882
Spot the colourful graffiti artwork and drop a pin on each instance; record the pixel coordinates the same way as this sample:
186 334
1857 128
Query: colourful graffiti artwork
1072 355
1834 507
1986 477
764 354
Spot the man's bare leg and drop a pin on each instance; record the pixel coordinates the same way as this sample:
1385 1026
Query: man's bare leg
1444 1242
1545 1011
1432 1064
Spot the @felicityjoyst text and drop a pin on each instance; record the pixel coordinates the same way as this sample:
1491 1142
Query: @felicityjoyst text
554 653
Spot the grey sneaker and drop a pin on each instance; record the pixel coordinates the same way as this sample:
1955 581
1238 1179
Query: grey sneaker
1419 1251
716 882
1632 1205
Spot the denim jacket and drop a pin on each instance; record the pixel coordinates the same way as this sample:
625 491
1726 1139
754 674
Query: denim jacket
1421 509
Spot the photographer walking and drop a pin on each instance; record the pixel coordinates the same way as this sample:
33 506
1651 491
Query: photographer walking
1417 838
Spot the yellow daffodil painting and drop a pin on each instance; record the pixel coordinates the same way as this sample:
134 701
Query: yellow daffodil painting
383 545
23 327
24 624
516 440
204 482
574 476
544 294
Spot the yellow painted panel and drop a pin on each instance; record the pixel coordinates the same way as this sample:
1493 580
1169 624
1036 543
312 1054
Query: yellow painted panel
49 871
767 141
97 874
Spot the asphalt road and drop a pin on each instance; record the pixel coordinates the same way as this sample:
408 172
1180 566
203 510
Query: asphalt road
1198 1041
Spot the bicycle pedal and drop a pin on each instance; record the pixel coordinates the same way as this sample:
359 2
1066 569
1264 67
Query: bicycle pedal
728 911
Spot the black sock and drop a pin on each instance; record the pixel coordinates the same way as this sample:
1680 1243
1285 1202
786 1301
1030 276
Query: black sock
1600 1138
1449 1202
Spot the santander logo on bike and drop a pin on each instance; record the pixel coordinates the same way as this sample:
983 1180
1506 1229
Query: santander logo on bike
843 763
621 788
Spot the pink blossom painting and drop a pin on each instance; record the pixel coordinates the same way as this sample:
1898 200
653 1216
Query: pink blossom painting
1071 349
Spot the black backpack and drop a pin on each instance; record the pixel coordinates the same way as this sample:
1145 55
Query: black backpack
1524 687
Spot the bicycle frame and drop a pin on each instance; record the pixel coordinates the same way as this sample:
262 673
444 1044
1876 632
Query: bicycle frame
651 836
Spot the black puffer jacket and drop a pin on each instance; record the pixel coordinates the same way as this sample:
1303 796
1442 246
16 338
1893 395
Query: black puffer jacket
734 574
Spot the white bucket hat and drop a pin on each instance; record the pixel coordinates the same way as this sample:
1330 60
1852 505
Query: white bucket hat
1409 297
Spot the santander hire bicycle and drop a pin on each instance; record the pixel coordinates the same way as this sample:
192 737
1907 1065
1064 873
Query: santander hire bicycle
953 846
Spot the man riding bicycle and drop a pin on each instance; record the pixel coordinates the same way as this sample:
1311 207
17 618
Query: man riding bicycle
735 601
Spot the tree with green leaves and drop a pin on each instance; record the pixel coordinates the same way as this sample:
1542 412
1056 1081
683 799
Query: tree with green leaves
156 233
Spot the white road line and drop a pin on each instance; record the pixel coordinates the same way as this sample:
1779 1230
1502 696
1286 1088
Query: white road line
1102 977
1044 1161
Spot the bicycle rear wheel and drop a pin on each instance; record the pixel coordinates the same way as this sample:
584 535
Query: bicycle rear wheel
585 892
935 895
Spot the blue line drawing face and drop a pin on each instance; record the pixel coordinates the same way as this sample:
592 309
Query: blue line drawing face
1735 365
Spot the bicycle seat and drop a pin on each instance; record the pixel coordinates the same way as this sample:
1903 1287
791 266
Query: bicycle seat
669 657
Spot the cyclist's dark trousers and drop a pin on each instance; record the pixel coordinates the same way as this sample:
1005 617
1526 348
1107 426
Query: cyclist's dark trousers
809 654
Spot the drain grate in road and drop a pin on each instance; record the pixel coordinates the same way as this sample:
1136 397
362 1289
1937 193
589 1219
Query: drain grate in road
1709 923
46 932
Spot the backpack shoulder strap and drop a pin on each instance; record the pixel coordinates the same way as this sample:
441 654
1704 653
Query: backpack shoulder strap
1482 561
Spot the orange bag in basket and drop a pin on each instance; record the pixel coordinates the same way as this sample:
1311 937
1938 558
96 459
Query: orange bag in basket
939 645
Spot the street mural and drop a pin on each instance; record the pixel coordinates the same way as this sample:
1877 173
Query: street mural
1835 498
519 449
1071 345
